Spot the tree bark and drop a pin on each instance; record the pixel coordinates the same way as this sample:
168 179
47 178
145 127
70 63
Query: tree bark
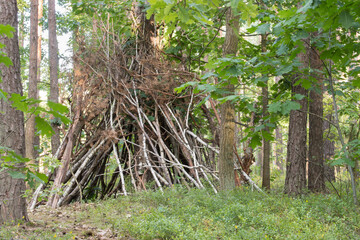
279 149
265 143
227 139
295 180
54 66
33 72
316 179
12 203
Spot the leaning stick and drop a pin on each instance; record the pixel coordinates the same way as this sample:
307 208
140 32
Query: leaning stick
48 175
86 160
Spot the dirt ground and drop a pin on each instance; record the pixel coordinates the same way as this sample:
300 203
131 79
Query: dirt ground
67 221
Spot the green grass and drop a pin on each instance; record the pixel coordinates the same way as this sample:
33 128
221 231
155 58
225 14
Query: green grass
241 214
199 214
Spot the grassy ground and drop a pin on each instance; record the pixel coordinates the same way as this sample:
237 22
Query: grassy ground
196 214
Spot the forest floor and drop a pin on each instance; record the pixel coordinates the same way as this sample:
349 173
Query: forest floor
68 222
179 213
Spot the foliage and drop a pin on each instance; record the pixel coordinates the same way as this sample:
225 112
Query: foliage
10 160
5 30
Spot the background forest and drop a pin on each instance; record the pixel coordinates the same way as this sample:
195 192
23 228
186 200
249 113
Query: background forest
180 119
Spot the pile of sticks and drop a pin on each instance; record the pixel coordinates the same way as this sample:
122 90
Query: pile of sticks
126 115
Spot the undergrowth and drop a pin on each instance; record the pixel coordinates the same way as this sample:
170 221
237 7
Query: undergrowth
198 214
241 214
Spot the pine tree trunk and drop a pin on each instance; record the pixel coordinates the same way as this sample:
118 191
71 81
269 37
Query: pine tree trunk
265 143
40 15
33 71
54 66
12 204
316 179
295 180
227 138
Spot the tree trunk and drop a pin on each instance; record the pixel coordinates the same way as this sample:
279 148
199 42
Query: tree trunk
265 143
77 121
40 15
54 66
12 204
33 71
316 180
279 149
329 149
295 180
22 29
227 138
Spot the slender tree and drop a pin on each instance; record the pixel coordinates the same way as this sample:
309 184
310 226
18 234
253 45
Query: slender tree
54 66
12 202
329 148
265 143
33 72
38 80
279 149
227 139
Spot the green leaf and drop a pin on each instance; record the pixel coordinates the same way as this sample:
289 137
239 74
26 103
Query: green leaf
185 85
234 4
282 49
16 174
268 136
7 30
356 83
287 13
63 119
345 19
274 107
305 83
299 96
39 177
339 93
208 74
43 127
306 6
19 102
5 60
228 98
184 15
255 141
288 106
284 70
58 107
263 28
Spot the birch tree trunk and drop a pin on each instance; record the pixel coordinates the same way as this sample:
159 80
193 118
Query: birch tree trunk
12 204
